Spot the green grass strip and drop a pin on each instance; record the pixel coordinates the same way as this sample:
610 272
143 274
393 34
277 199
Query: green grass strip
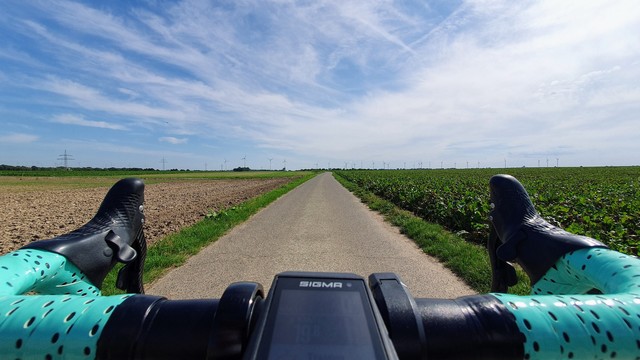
174 250
469 261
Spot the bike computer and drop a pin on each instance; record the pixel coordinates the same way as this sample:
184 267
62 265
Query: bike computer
319 316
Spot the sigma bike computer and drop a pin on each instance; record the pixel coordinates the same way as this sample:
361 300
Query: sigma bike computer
319 316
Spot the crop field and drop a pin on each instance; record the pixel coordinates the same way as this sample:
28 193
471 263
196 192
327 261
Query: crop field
602 203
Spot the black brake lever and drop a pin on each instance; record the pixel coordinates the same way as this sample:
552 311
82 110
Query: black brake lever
130 275
503 274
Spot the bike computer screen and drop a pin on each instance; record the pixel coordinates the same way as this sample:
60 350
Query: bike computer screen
316 318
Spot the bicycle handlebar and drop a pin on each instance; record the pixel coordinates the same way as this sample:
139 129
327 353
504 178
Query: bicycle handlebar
557 321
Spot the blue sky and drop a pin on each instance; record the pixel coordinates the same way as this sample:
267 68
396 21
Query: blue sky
332 83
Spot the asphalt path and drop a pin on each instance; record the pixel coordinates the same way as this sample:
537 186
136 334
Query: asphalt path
319 226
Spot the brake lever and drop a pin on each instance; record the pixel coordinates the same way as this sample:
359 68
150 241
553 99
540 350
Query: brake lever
503 274
130 275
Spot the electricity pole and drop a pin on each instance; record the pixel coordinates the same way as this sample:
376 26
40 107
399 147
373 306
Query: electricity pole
66 158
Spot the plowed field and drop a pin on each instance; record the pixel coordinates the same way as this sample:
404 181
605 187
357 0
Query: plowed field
29 213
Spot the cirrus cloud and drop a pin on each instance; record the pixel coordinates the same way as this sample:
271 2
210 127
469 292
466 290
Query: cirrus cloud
173 140
456 81
18 138
71 119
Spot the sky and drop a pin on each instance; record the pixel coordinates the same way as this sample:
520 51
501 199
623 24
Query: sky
210 85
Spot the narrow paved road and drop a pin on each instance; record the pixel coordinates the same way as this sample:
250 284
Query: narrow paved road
319 226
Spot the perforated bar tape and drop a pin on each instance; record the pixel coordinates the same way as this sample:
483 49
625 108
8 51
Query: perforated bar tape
42 272
559 325
65 326
53 326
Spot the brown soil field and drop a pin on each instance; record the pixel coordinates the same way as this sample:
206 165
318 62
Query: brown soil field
29 213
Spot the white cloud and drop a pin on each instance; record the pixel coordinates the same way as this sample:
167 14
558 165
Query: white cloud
335 79
71 119
528 81
90 98
173 140
18 138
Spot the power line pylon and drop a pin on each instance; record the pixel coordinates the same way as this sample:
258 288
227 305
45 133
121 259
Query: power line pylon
66 158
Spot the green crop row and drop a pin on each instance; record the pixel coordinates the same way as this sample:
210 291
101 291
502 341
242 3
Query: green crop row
602 203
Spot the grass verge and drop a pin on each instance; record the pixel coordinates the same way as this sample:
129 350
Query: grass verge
173 250
469 261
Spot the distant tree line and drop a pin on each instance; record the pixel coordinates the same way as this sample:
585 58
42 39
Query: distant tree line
4 167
